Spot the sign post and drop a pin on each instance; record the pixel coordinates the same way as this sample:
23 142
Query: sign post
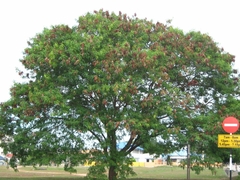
229 125
188 161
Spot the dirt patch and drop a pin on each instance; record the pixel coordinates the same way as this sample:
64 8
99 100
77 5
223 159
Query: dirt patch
4 172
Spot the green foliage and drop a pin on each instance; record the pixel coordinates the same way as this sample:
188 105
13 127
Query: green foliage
97 172
113 76
13 163
197 169
198 164
70 162
169 161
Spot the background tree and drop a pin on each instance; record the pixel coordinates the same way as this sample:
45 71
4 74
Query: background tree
110 78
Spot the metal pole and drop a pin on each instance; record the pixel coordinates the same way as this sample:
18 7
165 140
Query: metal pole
230 165
188 162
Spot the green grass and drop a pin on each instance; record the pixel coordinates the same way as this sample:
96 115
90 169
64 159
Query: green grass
167 172
156 173
27 173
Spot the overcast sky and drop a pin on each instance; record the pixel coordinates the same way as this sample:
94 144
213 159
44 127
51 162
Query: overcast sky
22 19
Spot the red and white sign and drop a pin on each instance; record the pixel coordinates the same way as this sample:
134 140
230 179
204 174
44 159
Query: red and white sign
230 125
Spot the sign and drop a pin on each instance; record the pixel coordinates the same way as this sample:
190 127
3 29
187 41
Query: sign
228 141
230 125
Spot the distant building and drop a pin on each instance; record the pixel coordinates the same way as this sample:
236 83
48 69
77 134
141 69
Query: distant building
177 156
138 154
2 157
1 150
8 155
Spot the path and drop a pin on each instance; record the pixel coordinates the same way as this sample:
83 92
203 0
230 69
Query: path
52 172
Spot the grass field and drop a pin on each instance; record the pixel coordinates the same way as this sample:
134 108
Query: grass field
157 173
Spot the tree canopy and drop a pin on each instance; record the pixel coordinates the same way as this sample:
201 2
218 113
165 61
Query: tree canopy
112 78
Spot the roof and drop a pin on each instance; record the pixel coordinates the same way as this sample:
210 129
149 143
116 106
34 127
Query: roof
2 158
121 145
181 153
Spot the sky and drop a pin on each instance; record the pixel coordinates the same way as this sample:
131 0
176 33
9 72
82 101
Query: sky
23 19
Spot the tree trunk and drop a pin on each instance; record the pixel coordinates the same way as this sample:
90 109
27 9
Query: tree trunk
112 175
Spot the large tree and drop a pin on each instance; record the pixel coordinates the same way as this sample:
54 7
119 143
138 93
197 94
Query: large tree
114 77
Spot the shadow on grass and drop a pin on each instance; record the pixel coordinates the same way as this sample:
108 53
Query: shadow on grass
42 178
54 178
227 178
82 178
